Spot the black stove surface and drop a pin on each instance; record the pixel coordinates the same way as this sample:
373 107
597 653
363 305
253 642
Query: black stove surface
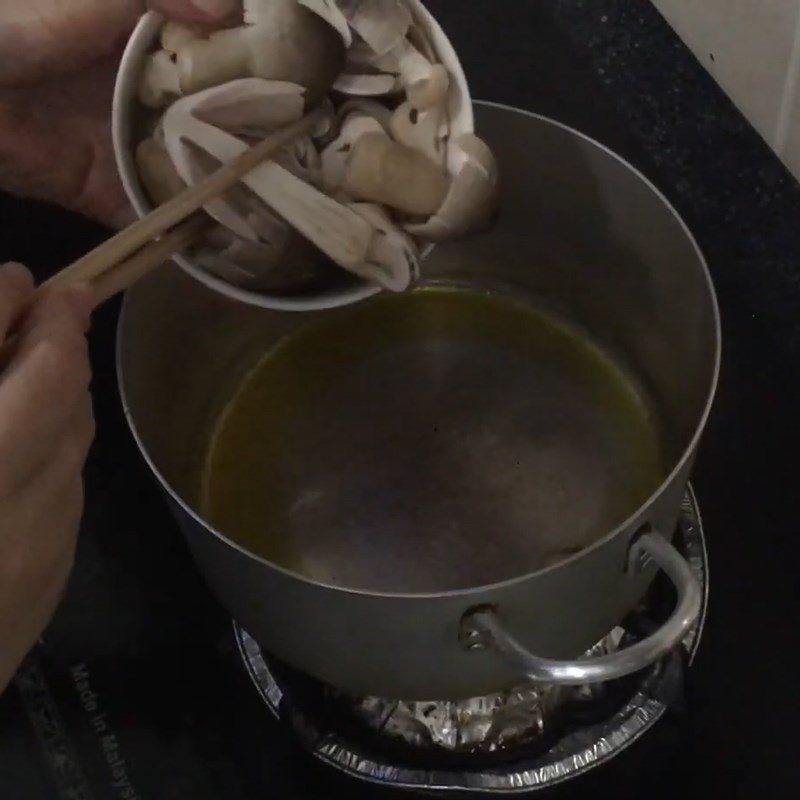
138 691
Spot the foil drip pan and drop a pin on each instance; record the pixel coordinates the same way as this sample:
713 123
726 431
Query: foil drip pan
527 738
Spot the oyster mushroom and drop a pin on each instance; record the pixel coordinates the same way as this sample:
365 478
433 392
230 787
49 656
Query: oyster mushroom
382 171
248 105
372 108
157 172
332 227
252 107
425 82
335 156
393 258
382 24
175 35
365 85
330 12
287 264
160 83
281 41
473 195
424 131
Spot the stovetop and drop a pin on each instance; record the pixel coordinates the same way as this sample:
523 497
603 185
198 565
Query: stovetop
138 690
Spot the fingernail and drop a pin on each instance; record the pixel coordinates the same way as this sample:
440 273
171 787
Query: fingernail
14 269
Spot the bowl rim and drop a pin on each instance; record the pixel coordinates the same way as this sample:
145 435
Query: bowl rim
354 291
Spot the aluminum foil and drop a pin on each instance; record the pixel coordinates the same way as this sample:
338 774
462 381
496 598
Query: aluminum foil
481 724
520 722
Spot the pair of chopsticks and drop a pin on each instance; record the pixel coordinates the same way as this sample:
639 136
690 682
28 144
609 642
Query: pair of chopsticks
142 247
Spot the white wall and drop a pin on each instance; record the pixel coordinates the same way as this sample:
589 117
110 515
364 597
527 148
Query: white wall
752 48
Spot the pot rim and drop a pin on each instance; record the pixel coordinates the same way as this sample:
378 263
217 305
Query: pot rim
509 582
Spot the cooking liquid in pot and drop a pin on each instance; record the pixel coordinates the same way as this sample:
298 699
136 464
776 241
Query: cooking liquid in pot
442 439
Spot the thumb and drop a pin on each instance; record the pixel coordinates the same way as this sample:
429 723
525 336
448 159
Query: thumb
40 39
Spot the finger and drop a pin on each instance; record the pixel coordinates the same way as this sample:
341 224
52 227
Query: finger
32 160
38 504
44 573
72 304
16 291
38 395
43 38
38 37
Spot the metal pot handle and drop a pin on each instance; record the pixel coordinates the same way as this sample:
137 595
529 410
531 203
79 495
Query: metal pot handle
481 628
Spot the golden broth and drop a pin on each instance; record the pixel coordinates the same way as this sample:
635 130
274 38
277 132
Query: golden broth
434 440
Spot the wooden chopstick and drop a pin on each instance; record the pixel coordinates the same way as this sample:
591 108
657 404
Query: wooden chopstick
116 250
150 257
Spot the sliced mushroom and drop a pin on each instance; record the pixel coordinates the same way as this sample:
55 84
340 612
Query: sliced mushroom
328 126
382 171
160 83
336 155
331 226
267 104
365 85
303 160
286 42
426 83
262 268
393 258
380 23
330 12
371 108
175 35
423 131
251 107
473 195
157 172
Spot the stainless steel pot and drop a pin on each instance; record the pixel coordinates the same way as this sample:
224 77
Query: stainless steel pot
589 234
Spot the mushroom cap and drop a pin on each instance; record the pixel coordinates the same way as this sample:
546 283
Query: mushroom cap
426 132
251 107
336 155
430 91
382 24
393 257
473 195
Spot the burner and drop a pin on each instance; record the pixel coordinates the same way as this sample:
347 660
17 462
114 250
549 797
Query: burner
528 738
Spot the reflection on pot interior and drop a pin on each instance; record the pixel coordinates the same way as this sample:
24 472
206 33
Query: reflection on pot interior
441 439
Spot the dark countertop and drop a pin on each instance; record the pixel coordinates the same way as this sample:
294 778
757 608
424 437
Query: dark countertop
617 72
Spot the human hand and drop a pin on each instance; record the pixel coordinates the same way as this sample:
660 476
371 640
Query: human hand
58 59
46 428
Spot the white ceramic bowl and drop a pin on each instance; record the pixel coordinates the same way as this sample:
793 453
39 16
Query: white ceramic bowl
127 119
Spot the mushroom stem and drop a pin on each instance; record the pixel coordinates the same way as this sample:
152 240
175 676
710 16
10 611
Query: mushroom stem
159 176
385 172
